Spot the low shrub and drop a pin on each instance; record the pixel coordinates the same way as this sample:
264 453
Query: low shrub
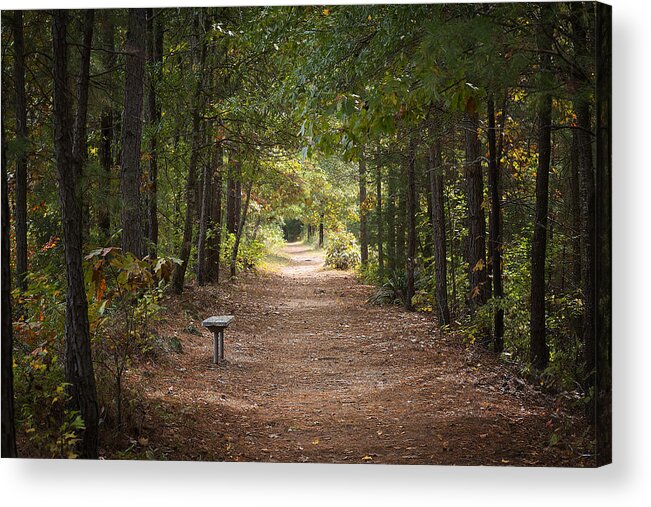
342 251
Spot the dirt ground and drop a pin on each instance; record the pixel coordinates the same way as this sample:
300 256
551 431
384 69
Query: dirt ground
314 374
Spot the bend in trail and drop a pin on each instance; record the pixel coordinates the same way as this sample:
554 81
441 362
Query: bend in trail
314 374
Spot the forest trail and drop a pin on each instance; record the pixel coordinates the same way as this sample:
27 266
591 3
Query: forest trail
314 374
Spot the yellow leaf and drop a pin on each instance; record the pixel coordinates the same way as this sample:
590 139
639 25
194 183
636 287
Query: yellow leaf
326 12
479 266
367 458
315 441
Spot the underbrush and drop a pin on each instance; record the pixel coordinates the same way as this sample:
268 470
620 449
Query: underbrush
123 296
342 251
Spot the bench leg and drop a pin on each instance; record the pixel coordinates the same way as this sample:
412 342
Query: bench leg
221 345
215 355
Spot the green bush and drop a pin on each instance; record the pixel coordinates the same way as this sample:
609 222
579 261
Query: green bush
123 303
342 251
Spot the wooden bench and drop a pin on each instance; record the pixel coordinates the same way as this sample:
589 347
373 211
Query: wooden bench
217 324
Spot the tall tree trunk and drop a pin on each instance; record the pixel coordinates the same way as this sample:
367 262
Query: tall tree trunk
391 221
380 223
78 359
588 238
132 223
411 225
587 192
401 217
496 229
21 162
178 277
539 351
363 226
575 211
80 142
214 245
321 231
106 127
476 219
453 256
602 415
204 223
8 446
438 228
240 230
155 58
231 198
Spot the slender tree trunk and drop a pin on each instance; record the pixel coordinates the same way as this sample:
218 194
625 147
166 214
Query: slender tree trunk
78 359
21 162
453 257
539 351
363 226
438 229
401 218
8 446
238 194
391 221
411 225
106 127
575 210
231 198
380 223
204 224
240 230
155 58
321 231
476 219
602 415
214 246
496 229
80 142
178 277
132 223
587 192
588 239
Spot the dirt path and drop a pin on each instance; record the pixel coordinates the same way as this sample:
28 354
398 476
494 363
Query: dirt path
314 374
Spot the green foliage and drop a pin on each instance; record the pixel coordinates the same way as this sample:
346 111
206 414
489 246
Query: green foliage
394 289
123 303
342 251
42 405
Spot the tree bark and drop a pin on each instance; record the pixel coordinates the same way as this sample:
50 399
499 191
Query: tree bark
539 353
401 217
178 277
363 226
132 223
411 225
8 446
438 228
321 238
240 230
476 219
231 198
155 59
204 224
495 241
21 162
391 221
106 127
214 246
78 359
380 223
602 415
